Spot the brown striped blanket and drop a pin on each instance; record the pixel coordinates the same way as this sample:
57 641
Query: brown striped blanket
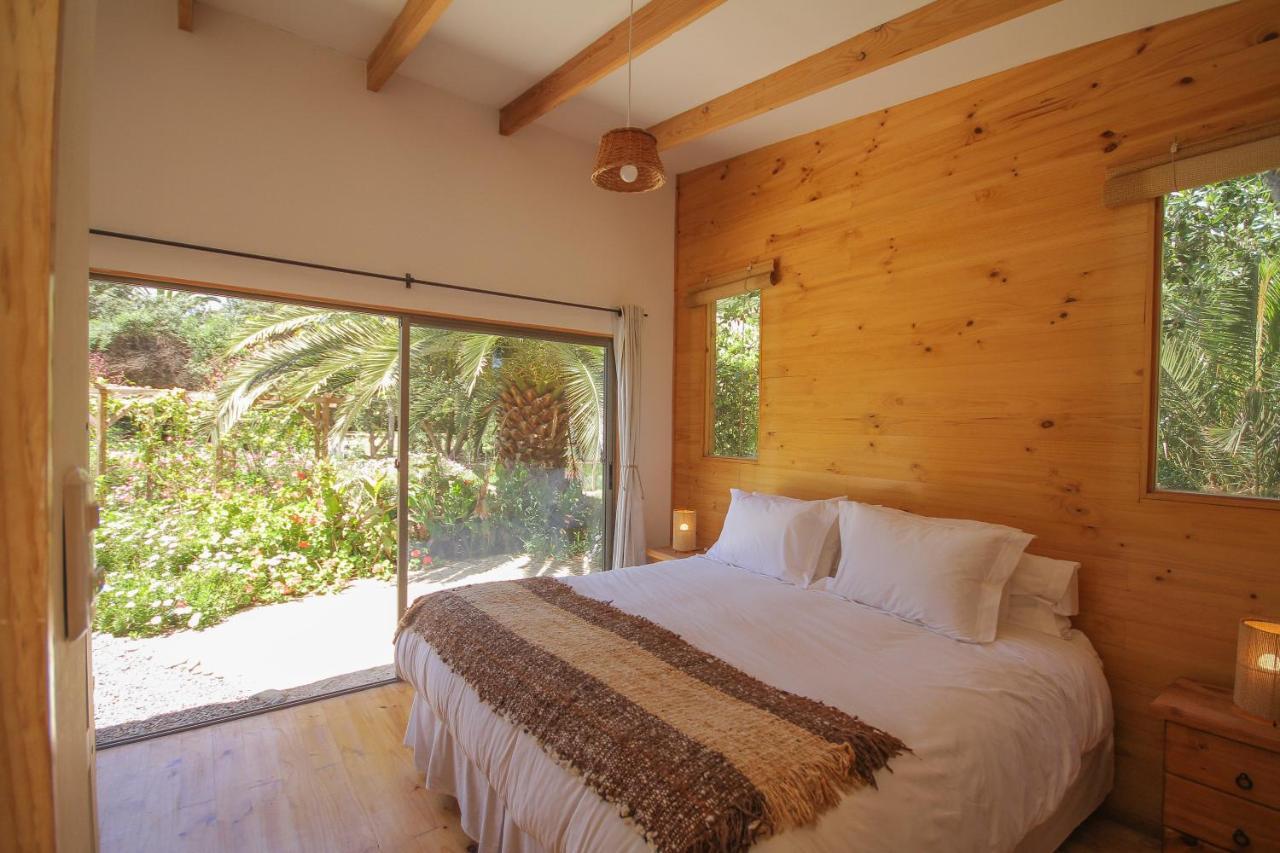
697 755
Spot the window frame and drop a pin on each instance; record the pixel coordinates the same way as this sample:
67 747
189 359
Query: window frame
709 385
1149 490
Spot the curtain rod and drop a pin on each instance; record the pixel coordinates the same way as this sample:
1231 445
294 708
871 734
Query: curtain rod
407 280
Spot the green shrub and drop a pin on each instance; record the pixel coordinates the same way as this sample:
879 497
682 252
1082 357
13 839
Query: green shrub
191 535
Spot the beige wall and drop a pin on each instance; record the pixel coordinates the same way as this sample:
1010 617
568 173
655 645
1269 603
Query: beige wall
243 136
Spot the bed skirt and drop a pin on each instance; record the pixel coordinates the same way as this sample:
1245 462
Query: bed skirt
486 820
447 771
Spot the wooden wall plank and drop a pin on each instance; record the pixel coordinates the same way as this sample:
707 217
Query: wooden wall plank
28 63
961 330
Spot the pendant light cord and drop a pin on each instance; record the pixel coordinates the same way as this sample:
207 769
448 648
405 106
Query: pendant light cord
631 21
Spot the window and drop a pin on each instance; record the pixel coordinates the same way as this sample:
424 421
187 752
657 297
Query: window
734 401
1218 395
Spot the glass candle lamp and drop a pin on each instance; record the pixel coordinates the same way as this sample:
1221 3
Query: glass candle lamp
1258 668
684 530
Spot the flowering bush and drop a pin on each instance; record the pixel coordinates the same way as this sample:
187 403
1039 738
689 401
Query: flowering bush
188 538
192 533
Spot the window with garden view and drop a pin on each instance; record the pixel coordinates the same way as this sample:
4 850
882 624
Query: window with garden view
735 376
1218 400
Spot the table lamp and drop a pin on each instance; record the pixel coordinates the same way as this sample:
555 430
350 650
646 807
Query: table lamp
1258 668
684 530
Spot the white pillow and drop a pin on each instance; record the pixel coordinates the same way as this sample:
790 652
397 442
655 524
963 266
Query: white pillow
830 553
1052 581
1037 614
948 576
780 537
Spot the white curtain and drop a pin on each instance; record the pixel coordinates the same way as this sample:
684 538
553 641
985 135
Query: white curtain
628 522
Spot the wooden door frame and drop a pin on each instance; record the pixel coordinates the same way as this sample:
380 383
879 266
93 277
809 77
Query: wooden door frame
29 31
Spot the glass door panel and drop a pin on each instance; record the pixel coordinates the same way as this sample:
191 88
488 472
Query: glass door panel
508 469
245 452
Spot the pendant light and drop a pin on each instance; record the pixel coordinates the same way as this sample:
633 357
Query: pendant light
627 161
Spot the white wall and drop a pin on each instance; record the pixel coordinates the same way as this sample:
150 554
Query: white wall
244 136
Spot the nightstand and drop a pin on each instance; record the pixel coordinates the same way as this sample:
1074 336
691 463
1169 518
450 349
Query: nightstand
661 555
1221 772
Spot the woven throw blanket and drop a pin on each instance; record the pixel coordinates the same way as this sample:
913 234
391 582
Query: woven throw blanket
696 755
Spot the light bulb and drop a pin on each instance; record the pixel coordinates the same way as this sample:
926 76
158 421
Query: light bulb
684 527
629 173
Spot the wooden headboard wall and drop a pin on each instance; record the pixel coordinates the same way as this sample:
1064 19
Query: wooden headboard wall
961 329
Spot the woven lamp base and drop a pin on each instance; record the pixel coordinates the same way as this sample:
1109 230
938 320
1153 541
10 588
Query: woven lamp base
628 146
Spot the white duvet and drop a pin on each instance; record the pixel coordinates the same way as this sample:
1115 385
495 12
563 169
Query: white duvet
996 731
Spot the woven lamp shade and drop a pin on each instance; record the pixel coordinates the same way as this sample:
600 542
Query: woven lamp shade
1258 668
628 146
684 530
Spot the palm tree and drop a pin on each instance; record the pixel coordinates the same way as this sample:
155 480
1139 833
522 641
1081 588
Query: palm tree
539 403
1219 426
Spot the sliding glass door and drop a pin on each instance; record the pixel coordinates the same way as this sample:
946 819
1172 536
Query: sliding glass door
508 456
246 467
279 480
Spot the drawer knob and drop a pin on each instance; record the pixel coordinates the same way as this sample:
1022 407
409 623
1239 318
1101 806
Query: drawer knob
1244 782
1240 837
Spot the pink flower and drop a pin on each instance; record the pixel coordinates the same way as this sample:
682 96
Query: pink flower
304 544
415 553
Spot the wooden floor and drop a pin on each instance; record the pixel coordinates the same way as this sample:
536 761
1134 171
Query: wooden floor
326 777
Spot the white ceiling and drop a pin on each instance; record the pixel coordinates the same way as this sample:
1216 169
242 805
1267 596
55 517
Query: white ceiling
489 51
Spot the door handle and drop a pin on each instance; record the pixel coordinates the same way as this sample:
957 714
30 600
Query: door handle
81 580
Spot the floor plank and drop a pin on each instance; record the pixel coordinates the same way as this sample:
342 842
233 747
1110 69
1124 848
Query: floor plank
327 777
330 776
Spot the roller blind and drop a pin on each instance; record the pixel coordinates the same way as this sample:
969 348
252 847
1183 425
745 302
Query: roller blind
755 277
1242 154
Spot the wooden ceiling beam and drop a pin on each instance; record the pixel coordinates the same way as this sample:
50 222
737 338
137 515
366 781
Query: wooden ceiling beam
654 22
186 14
915 32
405 33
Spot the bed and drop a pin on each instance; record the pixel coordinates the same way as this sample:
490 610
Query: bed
1010 741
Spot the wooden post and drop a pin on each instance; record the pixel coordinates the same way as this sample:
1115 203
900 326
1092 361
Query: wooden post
391 431
103 426
317 421
326 424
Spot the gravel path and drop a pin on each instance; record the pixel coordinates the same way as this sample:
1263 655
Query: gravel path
265 655
135 679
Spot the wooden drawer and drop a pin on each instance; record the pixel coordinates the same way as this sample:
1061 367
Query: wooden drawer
1228 765
1220 819
1180 842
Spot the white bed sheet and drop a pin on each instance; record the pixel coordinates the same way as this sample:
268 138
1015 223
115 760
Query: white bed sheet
997 731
